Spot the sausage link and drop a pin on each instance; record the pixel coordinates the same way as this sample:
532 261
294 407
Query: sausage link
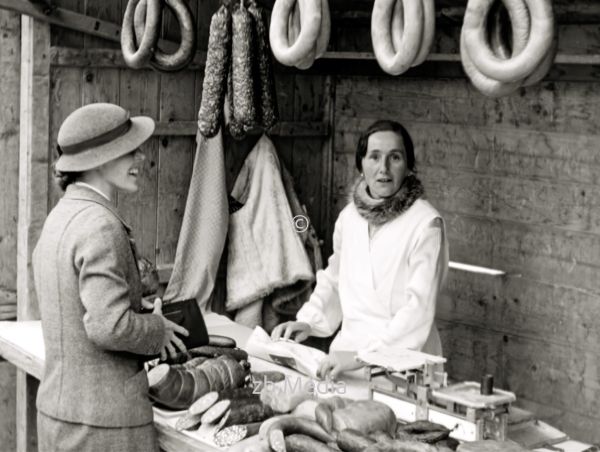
215 73
264 76
244 110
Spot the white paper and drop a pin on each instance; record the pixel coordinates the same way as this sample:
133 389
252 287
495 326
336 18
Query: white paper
286 353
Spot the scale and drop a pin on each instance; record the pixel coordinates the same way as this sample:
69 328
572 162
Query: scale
415 386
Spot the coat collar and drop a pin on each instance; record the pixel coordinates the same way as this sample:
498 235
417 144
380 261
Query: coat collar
380 211
82 193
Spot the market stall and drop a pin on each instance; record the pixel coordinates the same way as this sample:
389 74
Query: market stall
22 344
264 97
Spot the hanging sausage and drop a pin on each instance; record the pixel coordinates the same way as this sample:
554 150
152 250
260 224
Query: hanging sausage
402 32
494 69
170 62
137 57
215 73
141 29
522 64
299 31
239 84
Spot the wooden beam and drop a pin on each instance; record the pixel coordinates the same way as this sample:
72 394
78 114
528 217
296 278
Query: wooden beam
66 18
82 23
33 197
285 129
103 58
26 416
34 154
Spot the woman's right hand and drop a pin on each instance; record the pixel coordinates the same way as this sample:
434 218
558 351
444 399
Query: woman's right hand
171 340
285 330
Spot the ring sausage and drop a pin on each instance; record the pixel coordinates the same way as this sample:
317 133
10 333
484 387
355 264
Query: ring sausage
294 31
325 31
545 65
428 31
486 85
309 31
170 62
139 57
396 61
521 64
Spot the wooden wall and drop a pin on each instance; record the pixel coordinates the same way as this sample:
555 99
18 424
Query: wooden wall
515 178
517 181
10 58
155 213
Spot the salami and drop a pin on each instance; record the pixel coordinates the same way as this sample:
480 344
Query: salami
215 73
264 79
244 110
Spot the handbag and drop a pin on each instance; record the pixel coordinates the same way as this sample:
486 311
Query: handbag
187 314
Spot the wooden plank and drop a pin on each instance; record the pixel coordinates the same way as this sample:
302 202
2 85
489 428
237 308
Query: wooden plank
523 307
327 220
66 18
33 160
26 413
549 106
283 129
100 85
307 161
530 368
33 196
10 60
171 440
174 162
139 94
65 97
581 428
109 11
64 36
501 151
99 58
8 426
536 252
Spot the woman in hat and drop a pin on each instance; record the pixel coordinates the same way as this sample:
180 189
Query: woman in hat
93 394
389 260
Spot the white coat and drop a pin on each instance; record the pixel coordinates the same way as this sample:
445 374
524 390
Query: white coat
383 290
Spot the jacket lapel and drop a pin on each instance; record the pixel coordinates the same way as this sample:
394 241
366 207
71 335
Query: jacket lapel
82 193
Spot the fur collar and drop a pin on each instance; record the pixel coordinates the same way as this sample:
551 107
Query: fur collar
380 211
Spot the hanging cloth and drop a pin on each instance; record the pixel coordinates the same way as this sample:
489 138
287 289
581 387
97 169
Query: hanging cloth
204 226
265 252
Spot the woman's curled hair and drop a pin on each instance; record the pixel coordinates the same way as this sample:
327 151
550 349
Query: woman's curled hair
65 178
384 125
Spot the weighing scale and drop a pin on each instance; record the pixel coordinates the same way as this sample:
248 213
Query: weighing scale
415 386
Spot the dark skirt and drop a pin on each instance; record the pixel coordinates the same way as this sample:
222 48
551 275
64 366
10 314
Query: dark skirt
55 435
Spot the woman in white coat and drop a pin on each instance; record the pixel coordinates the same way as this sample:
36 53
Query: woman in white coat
389 261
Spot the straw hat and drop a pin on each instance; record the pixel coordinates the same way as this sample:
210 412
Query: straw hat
98 133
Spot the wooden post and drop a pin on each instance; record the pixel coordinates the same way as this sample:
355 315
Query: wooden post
33 197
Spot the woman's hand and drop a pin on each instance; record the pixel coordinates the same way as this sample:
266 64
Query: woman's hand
285 330
337 362
171 328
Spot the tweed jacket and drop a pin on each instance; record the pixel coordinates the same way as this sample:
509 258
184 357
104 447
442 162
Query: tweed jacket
89 292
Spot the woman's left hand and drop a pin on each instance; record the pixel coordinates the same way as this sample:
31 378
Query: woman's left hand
337 362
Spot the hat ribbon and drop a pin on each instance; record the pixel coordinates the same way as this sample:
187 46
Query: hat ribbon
99 140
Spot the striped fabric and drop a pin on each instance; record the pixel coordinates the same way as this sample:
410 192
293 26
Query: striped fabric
204 227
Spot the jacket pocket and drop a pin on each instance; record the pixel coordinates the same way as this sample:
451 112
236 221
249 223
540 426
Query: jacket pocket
138 384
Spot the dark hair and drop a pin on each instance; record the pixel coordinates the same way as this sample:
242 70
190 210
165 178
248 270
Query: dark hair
381 126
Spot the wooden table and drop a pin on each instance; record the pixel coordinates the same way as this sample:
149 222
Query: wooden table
22 344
